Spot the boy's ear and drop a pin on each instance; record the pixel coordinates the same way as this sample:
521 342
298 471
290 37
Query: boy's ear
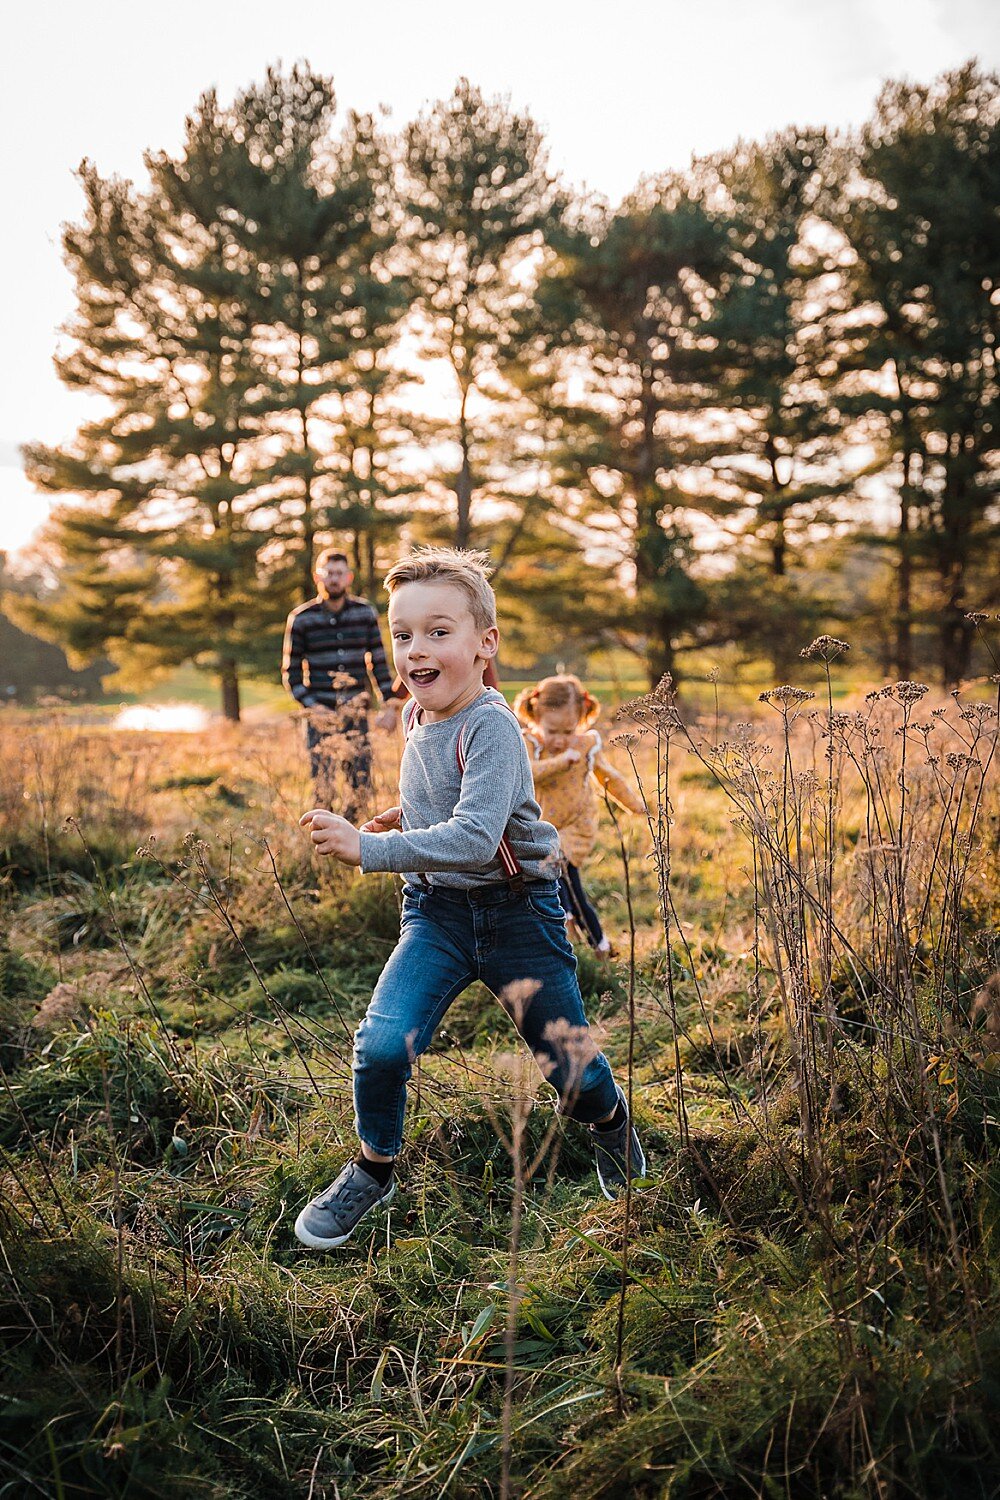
490 643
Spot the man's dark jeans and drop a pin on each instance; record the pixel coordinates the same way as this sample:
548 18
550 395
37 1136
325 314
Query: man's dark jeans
340 757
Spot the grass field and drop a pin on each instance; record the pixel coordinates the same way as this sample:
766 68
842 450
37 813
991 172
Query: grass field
801 1302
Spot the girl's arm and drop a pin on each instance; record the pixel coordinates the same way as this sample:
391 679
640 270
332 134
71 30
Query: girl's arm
614 783
544 767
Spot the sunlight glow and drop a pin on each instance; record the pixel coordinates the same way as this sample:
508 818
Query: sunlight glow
173 718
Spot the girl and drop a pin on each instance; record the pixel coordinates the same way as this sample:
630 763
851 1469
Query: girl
568 766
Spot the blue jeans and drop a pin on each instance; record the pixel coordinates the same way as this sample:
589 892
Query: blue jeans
516 945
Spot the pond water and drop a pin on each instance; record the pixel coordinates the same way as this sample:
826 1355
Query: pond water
177 718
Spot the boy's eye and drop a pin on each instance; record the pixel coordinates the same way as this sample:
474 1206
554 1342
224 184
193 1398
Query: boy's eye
400 635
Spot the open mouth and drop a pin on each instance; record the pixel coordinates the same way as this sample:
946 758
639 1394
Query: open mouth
424 675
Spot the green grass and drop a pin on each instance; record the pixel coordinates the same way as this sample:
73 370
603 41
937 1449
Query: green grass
176 1051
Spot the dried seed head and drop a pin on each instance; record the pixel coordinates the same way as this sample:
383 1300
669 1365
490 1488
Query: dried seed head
909 692
517 996
825 648
845 723
785 696
655 709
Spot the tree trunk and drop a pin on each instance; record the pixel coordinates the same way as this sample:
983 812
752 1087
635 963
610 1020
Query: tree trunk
660 657
463 485
904 577
953 556
370 558
956 649
302 403
956 632
779 541
230 683
651 547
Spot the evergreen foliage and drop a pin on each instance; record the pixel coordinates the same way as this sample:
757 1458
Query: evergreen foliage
920 217
703 395
31 666
478 202
627 308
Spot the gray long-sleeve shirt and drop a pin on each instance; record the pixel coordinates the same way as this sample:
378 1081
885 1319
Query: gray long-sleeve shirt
453 822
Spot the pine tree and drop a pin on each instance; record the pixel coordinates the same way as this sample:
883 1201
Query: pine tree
318 216
778 442
920 217
163 562
621 318
477 201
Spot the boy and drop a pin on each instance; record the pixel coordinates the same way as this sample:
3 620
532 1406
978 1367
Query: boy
481 898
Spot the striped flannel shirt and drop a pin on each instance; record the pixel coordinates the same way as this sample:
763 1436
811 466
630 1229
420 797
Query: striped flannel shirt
328 652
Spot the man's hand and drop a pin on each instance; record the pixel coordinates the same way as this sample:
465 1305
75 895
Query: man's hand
387 718
383 821
332 834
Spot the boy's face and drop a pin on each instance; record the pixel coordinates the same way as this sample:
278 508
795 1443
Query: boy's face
438 648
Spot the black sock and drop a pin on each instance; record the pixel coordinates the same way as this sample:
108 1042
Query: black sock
380 1170
617 1119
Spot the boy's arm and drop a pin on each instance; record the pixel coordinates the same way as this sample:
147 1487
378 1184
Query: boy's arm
293 652
471 836
614 783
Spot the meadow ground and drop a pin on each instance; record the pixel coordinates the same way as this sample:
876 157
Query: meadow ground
803 1299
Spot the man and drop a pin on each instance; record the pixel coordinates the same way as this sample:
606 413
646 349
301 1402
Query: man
331 643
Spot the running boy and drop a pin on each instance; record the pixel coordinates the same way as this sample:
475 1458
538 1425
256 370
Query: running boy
480 899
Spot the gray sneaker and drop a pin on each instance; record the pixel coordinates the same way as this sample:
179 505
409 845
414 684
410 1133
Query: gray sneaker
334 1214
616 1160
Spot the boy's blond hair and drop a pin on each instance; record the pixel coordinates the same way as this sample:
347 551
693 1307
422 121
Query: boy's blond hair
468 571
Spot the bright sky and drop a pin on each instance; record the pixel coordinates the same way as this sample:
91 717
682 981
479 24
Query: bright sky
622 87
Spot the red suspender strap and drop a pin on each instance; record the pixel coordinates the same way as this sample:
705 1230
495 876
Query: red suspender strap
508 858
409 714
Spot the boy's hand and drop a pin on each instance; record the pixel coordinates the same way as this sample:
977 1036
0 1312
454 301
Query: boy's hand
383 821
332 834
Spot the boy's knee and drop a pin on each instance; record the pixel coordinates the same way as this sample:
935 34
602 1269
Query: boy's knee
382 1048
